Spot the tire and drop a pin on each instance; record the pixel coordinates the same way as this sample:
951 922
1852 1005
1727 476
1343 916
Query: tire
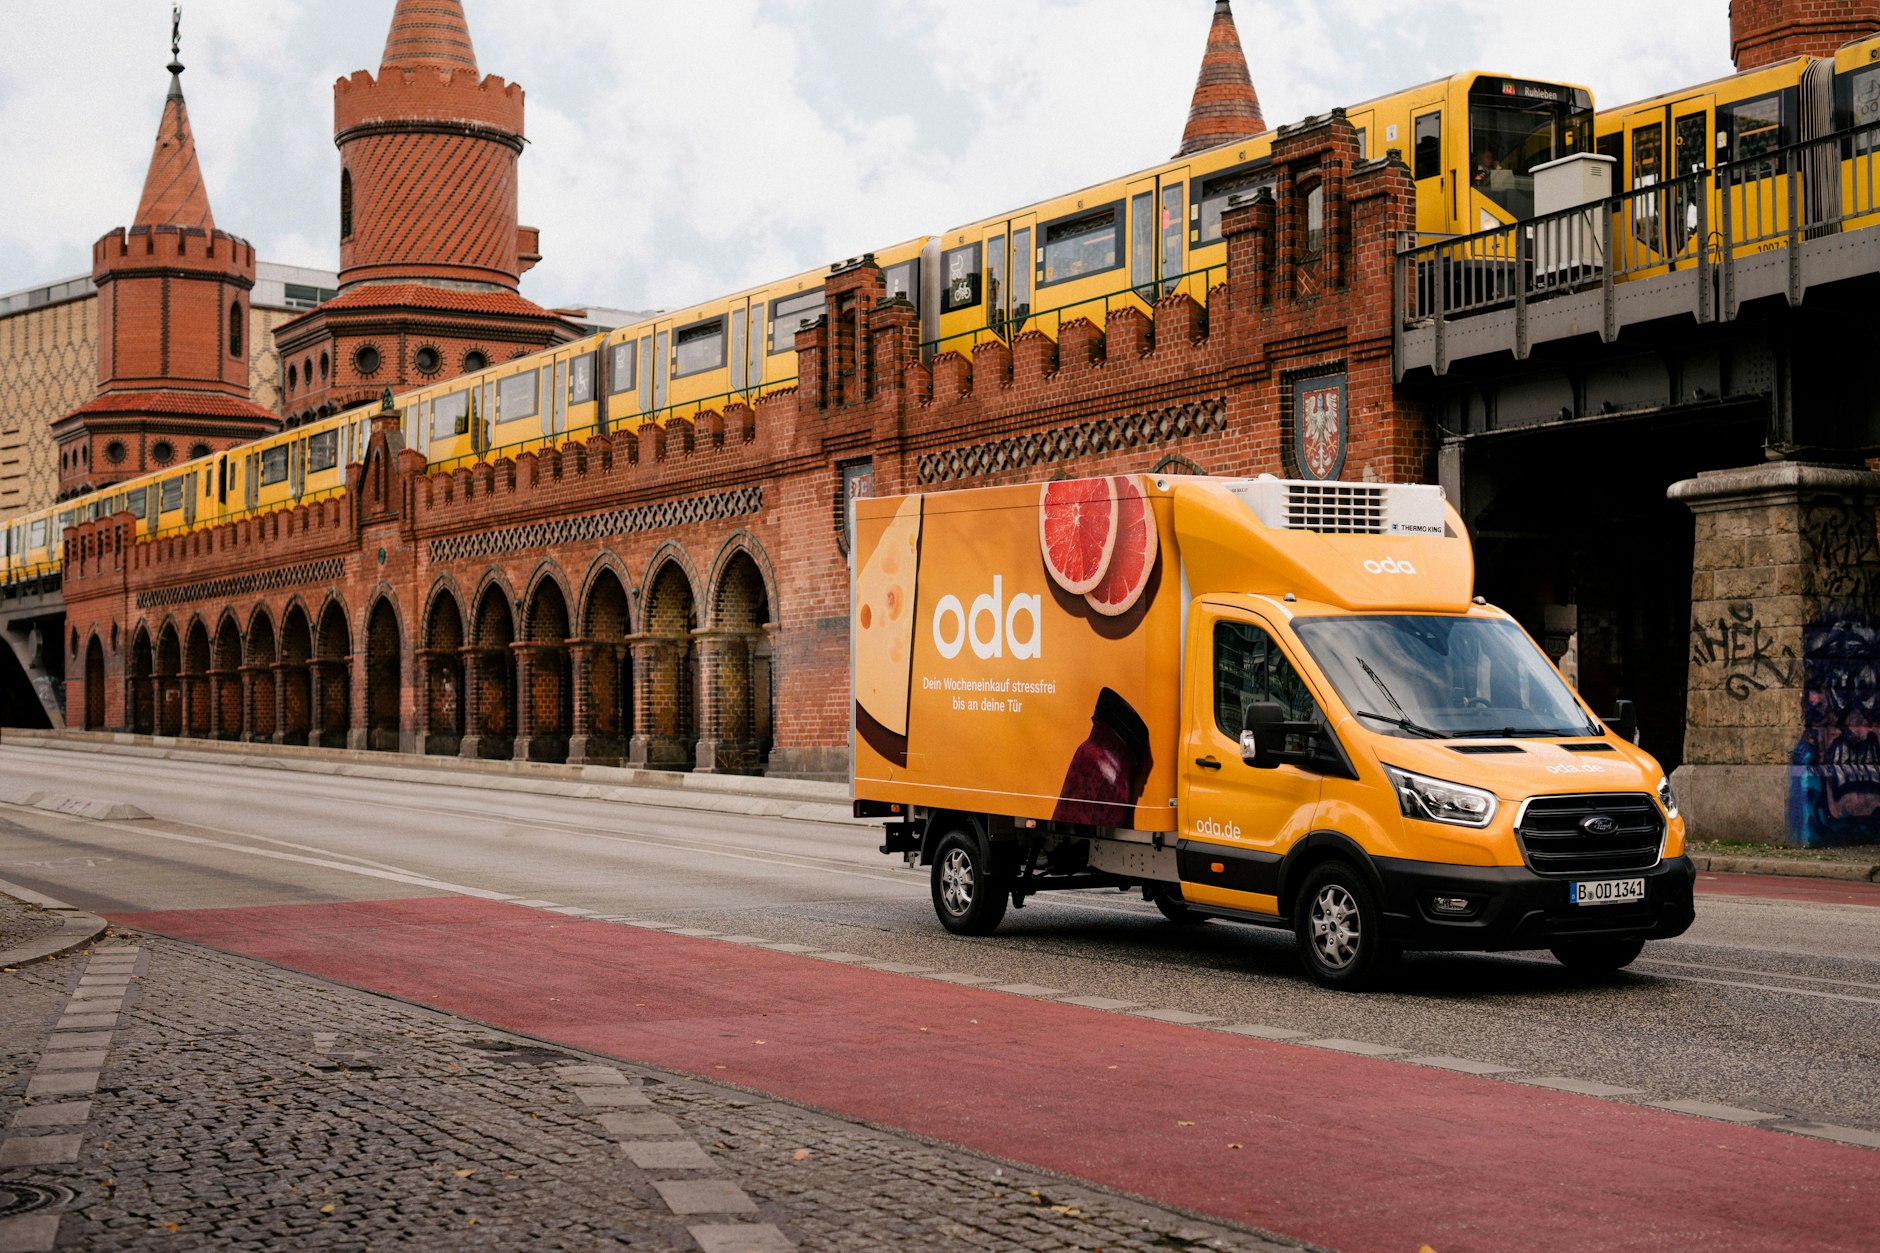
968 896
1168 899
1340 929
1597 957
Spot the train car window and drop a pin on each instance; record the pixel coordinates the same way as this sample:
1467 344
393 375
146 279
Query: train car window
646 373
1171 236
740 321
322 451
1428 136
787 312
1142 228
698 348
1613 146
1087 244
36 537
621 360
754 350
904 280
1021 275
274 464
995 281
961 270
1752 128
1859 97
581 379
1514 126
450 415
660 360
517 397
1212 193
171 496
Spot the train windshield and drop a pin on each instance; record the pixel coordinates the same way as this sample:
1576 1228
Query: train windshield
1516 125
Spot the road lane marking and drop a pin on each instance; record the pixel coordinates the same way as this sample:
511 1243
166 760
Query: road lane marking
1768 987
1767 974
1709 1109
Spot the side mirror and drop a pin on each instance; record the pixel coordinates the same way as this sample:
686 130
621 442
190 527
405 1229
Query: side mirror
1624 721
1259 745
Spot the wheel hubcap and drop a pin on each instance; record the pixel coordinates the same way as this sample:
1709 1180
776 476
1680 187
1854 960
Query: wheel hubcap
1335 930
956 882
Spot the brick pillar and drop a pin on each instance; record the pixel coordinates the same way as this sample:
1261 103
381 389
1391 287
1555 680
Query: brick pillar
657 715
319 674
597 662
1782 733
485 673
528 718
219 683
246 676
280 702
725 745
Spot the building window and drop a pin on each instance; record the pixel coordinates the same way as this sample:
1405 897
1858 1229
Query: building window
115 452
345 204
306 371
325 365
428 360
293 377
162 452
366 360
1315 221
474 361
198 450
235 329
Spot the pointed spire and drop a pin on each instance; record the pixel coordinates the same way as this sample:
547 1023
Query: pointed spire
1225 106
173 190
429 32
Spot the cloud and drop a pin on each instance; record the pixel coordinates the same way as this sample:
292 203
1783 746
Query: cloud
681 151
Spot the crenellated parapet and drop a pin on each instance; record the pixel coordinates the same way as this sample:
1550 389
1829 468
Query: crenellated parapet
409 98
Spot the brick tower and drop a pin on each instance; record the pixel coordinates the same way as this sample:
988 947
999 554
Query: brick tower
1225 106
430 252
172 321
1766 31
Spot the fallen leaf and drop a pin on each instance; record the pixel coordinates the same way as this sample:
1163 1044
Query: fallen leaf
473 1222
463 1174
533 1114
1233 1146
327 1208
1183 1123
1109 1068
757 1041
169 1226
507 1175
799 1155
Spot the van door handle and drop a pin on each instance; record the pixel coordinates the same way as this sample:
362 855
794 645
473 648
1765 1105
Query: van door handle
1208 763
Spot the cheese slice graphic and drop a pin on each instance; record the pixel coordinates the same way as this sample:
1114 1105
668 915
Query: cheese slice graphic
884 620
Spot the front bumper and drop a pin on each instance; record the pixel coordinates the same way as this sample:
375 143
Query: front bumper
1514 908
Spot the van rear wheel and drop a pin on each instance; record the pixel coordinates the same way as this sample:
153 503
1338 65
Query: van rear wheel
1340 929
968 895
1168 899
1597 957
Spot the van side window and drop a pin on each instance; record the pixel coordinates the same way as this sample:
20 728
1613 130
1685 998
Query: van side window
1248 667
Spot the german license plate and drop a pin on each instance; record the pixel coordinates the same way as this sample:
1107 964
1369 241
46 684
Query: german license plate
1608 891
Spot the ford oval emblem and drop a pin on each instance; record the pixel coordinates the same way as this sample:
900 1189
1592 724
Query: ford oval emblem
1598 824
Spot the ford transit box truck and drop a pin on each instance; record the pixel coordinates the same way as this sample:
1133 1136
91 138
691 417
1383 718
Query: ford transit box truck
1261 700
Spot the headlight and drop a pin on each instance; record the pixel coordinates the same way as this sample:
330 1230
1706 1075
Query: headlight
1433 800
1666 799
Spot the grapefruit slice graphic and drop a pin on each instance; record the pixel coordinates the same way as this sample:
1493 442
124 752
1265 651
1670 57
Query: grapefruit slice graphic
1076 530
1133 557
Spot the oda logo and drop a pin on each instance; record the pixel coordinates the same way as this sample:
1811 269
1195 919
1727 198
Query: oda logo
991 626
1218 829
1390 565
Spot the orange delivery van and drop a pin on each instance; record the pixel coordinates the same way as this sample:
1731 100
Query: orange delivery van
1262 700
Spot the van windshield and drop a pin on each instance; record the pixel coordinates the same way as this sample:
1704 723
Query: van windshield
1443 677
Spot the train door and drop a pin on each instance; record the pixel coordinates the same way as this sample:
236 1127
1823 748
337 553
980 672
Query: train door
1437 213
223 471
192 488
1693 121
738 349
1026 258
662 368
297 468
554 418
1145 229
1750 136
1644 172
645 396
1171 231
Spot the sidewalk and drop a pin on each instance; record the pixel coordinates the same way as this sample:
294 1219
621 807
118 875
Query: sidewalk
35 927
155 1093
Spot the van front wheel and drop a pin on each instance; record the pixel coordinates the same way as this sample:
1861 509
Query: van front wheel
968 896
1340 929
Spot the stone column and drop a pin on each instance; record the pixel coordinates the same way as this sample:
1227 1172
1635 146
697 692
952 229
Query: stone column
485 672
655 743
528 723
584 746
1782 736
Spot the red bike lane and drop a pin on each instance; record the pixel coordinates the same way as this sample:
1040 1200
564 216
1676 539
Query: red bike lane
1345 1151
1789 888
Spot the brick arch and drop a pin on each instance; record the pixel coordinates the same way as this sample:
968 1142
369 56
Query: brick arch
673 554
140 697
443 638
548 570
260 652
667 711
603 685
225 679
197 719
1175 463
606 569
742 542
545 668
496 577
332 674
94 683
490 716
296 694
384 671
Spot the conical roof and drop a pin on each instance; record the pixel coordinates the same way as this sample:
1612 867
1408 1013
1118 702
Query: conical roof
1225 106
429 32
173 191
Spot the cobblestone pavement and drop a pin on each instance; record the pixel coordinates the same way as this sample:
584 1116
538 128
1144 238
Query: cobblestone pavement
21 924
159 1095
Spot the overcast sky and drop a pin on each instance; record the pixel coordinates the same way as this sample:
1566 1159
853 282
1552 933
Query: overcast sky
684 148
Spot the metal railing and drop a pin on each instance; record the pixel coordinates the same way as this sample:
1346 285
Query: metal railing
1092 308
1705 220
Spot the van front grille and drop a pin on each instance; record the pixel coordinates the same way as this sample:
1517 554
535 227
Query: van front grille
1556 840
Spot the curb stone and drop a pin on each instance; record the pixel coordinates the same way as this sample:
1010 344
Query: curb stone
77 928
1849 871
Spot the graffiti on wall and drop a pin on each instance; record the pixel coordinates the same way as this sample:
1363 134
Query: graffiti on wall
1834 788
1846 565
1744 650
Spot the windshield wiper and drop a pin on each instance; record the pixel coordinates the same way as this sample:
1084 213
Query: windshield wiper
1509 733
1414 728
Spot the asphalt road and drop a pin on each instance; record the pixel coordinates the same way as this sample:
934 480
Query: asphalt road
1766 1004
